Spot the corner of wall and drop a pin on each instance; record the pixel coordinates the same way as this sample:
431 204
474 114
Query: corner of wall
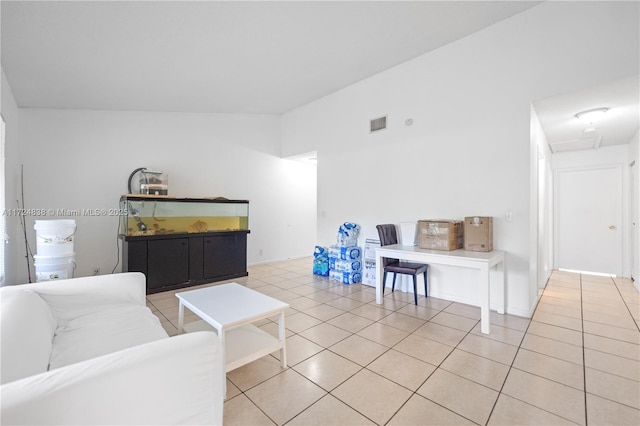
10 113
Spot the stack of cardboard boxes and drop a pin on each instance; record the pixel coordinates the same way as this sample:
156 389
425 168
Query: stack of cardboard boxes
345 257
475 233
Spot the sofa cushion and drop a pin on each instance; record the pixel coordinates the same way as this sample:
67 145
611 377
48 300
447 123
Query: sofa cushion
69 307
27 330
103 329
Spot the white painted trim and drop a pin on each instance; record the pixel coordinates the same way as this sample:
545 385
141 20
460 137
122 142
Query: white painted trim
533 209
264 262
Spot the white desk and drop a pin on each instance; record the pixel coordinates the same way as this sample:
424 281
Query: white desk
482 261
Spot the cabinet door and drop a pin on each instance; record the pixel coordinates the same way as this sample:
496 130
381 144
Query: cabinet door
241 253
196 260
134 256
168 262
220 254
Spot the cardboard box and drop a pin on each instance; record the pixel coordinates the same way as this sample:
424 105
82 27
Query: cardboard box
478 233
440 234
369 273
369 262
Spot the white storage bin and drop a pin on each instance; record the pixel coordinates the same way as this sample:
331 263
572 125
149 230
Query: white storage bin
55 237
408 233
50 268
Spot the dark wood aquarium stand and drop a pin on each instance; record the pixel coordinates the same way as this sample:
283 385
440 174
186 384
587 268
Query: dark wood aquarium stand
181 259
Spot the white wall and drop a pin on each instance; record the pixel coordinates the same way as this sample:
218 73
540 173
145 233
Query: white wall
468 151
13 260
82 159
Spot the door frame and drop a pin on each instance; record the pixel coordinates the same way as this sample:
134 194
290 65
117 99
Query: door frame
556 197
634 201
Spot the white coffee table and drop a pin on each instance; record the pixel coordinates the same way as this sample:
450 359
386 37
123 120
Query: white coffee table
230 309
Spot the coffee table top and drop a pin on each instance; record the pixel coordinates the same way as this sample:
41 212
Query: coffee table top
229 305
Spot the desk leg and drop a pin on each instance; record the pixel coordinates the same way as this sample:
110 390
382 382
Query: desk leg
484 299
379 278
282 337
181 317
502 302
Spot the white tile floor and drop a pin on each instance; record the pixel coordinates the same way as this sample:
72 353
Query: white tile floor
353 362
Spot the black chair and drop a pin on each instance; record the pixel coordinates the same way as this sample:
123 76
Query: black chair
388 235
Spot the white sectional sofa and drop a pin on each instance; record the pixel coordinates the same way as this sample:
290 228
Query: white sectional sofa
89 351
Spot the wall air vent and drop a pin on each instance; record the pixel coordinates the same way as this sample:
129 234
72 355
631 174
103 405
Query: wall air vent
574 145
378 124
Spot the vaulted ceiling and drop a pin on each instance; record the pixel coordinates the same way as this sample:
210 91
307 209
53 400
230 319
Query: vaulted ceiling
264 57
219 56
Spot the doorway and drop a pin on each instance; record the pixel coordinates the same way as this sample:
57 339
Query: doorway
588 222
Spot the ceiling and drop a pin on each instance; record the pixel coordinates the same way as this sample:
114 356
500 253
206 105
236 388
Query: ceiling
565 132
219 56
256 56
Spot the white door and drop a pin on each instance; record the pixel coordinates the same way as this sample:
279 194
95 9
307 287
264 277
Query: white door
589 219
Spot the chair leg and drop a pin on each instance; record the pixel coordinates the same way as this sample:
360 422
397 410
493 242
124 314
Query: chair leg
393 286
426 294
415 289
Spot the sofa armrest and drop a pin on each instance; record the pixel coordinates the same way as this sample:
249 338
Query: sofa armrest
177 380
128 286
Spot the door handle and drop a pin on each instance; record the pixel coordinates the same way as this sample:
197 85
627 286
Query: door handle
612 227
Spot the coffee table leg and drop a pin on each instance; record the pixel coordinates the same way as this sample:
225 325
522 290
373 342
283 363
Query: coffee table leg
222 337
282 337
180 317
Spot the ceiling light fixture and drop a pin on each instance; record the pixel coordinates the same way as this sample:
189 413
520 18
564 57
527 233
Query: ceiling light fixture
591 115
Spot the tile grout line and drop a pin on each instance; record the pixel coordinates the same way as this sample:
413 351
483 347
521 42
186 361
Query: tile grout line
511 367
414 393
584 356
584 361
625 303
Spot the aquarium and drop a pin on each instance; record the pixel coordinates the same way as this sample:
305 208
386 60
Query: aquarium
143 215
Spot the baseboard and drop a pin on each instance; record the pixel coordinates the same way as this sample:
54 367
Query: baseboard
492 307
262 262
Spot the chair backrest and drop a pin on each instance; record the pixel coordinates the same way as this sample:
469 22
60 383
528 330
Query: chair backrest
388 235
